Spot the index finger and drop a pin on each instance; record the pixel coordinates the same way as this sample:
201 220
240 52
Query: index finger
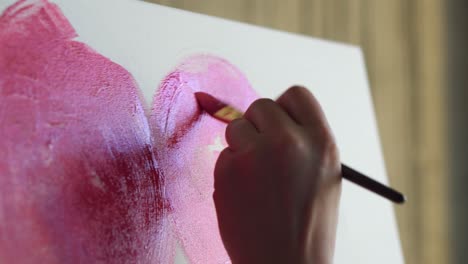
302 106
267 116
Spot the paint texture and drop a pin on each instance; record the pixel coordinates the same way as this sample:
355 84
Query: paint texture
188 142
79 182
84 177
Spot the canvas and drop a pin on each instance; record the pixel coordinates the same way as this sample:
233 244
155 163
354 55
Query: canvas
108 157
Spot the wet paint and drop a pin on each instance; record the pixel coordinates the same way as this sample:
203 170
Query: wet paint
84 177
79 181
195 141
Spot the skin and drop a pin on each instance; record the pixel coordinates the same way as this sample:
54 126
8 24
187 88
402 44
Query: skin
278 183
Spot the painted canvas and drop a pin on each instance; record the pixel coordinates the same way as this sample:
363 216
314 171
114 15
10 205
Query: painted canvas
79 179
105 156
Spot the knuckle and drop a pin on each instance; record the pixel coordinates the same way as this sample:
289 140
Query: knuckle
230 129
297 144
260 105
233 126
297 91
292 142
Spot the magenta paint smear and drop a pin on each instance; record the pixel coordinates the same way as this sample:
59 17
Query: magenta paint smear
79 182
82 178
188 143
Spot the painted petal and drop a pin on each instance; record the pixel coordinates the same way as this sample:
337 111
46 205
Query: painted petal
189 142
78 179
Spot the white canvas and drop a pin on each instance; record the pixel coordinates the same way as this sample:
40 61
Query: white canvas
150 40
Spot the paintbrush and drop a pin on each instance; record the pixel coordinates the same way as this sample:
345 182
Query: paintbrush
227 113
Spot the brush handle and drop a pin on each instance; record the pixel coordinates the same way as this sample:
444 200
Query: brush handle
227 113
372 185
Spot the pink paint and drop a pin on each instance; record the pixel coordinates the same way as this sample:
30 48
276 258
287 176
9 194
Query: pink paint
81 174
188 143
79 182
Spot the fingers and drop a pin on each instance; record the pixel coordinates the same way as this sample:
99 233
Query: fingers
267 116
239 133
302 106
221 167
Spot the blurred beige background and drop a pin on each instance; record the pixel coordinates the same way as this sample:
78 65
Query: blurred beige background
405 51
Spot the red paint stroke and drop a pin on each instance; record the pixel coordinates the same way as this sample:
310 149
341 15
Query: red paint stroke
79 182
188 143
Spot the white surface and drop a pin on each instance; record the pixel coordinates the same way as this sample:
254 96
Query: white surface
149 40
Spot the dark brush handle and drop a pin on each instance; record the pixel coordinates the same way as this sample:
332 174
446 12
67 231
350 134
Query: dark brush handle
372 185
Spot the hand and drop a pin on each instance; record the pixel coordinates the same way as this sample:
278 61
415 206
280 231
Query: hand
278 184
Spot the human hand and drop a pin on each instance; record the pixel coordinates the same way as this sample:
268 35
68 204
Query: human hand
278 184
